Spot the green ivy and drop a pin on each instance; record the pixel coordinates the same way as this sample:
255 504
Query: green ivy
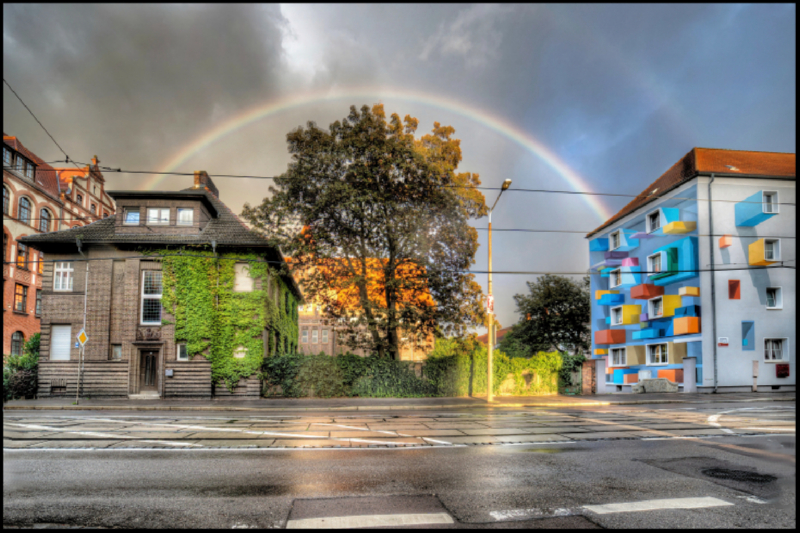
214 321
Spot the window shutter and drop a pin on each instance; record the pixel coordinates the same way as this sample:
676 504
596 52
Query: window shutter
60 337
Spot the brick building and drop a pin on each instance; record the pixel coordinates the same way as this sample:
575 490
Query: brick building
134 347
37 199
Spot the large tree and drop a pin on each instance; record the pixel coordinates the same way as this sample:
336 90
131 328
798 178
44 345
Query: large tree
555 314
385 240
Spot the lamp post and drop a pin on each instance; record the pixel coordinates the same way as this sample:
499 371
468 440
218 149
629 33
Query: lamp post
489 396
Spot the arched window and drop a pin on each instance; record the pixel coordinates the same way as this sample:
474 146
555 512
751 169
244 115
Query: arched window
6 199
17 339
44 220
24 213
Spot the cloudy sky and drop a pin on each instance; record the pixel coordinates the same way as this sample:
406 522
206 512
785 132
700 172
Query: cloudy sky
566 97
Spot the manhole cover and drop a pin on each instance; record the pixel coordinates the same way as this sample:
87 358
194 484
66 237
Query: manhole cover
738 475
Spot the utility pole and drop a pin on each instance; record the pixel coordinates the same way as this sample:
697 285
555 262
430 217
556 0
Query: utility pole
490 301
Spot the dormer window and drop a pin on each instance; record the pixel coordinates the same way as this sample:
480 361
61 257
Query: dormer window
770 202
653 221
8 156
131 216
185 216
158 216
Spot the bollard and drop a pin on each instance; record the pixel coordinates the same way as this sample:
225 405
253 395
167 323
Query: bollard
690 374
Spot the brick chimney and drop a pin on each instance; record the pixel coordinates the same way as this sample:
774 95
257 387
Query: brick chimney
202 180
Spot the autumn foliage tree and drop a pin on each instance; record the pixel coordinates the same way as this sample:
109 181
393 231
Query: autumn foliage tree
385 241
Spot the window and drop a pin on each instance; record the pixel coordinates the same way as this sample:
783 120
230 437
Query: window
315 336
653 221
7 156
93 209
116 352
616 316
654 264
60 340
655 308
44 220
94 189
20 297
773 349
22 256
158 216
182 353
305 336
16 343
657 354
62 277
105 214
24 211
6 199
131 216
324 336
151 297
619 357
772 249
29 169
616 278
242 281
770 202
185 216
240 352
79 199
41 263
38 302
20 166
774 298
614 241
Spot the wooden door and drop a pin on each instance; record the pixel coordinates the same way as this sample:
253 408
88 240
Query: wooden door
148 373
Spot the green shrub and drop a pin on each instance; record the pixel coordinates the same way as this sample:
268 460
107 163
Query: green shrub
281 371
21 372
570 363
387 378
319 376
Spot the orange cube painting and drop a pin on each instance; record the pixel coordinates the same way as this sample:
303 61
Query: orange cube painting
675 375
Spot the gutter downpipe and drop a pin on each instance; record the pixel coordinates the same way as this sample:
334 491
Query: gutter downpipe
713 281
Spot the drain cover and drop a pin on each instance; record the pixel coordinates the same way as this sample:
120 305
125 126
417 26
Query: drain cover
738 475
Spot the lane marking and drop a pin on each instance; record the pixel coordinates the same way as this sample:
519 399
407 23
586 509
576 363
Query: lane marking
385 520
655 505
111 436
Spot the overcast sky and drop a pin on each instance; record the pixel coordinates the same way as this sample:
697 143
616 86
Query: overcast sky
588 97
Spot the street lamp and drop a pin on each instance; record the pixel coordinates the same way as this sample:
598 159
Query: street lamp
489 398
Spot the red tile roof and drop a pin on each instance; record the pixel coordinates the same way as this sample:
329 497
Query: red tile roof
705 161
46 176
499 334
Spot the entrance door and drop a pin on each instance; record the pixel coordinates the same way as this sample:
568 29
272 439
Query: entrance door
147 374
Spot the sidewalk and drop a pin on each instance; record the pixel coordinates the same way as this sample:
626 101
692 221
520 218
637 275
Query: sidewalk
386 404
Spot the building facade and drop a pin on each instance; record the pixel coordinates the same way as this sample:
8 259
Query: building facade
178 298
36 201
696 267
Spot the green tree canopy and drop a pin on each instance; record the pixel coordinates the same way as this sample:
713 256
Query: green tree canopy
555 315
379 209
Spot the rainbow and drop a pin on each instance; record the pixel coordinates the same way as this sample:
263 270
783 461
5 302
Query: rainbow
501 126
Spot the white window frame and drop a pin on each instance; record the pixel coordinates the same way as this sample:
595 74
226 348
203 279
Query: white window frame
784 350
314 336
185 210
324 336
776 249
611 362
650 268
248 283
611 240
649 353
651 304
650 228
68 343
178 352
125 212
774 205
160 211
778 298
611 277
613 309
305 336
67 272
144 297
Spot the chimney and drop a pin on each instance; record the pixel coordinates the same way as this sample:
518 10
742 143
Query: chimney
202 180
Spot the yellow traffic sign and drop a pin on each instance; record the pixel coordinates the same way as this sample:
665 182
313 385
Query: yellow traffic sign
82 337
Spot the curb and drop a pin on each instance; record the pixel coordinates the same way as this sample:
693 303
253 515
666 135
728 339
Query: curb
369 407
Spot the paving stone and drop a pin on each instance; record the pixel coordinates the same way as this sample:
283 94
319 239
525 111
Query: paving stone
609 435
559 429
683 432
453 425
494 431
433 433
308 443
76 444
473 440
8 443
532 438
359 434
610 427
237 443
392 440
397 427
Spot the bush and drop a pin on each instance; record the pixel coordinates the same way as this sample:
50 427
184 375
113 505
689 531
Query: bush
281 371
387 378
570 363
21 372
320 376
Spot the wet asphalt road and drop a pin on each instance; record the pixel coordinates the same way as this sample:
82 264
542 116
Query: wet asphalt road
499 484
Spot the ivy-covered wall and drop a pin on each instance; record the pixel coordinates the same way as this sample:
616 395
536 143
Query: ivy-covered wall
214 321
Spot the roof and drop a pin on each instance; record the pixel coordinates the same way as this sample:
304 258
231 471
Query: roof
225 230
46 177
728 163
499 334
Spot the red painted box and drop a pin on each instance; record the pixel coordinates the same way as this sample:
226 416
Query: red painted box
646 291
609 336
